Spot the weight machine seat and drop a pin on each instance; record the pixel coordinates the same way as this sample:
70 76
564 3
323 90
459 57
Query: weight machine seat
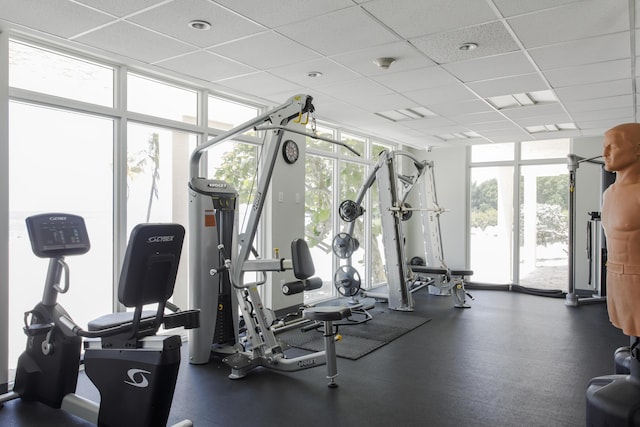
325 314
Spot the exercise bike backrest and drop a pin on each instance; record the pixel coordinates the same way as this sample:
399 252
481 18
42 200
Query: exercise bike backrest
149 270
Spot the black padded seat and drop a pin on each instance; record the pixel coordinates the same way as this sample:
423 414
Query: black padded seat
328 313
428 270
434 270
116 319
461 272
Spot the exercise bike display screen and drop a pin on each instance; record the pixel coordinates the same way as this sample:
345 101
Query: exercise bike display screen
56 234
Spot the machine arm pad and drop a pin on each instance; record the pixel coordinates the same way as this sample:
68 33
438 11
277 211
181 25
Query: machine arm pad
298 286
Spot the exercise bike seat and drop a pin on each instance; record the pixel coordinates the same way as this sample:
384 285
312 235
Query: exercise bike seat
115 319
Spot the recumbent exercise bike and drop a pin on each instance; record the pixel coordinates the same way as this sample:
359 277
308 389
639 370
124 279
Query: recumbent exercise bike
134 369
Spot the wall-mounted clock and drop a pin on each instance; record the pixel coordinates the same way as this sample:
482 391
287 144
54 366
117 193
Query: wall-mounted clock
290 151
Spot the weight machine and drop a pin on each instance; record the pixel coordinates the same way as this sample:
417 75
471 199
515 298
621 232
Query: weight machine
402 279
596 243
220 258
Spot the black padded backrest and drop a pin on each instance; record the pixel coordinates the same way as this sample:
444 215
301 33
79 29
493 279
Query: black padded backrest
301 258
150 264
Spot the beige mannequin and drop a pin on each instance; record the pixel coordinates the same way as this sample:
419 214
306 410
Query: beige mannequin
621 222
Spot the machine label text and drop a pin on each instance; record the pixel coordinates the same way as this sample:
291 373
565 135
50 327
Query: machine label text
306 363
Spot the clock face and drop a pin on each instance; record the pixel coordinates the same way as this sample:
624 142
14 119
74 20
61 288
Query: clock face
290 151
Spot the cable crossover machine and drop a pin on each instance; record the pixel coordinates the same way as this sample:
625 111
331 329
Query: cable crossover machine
402 278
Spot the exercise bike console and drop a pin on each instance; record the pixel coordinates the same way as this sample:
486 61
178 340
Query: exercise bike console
57 235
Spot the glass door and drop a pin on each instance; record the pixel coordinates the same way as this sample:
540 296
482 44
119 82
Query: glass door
491 239
544 225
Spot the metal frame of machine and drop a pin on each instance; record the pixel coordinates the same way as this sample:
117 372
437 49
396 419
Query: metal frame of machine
213 231
393 191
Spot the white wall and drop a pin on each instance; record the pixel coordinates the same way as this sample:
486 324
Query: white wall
284 213
450 176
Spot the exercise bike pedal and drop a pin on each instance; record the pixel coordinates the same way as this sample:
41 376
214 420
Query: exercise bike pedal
37 329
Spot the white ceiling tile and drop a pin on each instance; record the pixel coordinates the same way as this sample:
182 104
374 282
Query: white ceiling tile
591 73
491 67
501 125
120 7
516 7
622 101
585 51
491 39
361 91
206 66
600 126
407 58
479 118
411 18
440 130
441 94
601 114
173 19
134 42
422 78
571 22
428 123
455 109
543 136
331 72
337 32
552 119
261 84
594 90
58 17
509 85
533 110
259 51
274 13
507 135
385 102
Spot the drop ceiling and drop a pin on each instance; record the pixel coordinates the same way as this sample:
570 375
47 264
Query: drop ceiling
542 69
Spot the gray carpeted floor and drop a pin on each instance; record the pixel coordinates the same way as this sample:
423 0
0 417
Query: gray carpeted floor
358 339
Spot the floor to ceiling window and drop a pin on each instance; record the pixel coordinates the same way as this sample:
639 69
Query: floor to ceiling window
518 228
60 160
68 168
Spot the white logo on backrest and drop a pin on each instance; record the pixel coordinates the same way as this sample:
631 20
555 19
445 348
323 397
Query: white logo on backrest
160 239
138 378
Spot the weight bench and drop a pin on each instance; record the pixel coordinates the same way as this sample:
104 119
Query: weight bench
303 270
454 279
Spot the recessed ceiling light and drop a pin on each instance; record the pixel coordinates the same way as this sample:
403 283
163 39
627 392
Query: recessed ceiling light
468 46
198 24
314 73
